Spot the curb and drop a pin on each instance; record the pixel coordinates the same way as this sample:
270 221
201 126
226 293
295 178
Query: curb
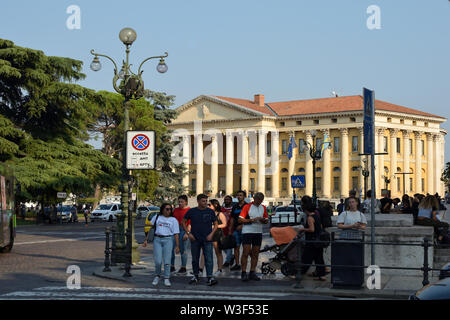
330 292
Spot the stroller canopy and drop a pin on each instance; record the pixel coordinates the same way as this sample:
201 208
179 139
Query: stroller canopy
283 235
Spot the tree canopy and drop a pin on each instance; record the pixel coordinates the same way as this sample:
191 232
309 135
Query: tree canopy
44 120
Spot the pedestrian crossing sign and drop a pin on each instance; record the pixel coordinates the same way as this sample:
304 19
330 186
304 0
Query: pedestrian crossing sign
298 181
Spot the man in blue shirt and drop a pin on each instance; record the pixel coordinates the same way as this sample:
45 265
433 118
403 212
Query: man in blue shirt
203 226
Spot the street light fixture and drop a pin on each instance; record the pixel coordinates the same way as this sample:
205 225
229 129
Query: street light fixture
315 151
131 87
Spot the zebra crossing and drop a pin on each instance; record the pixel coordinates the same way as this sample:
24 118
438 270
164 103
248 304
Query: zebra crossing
124 293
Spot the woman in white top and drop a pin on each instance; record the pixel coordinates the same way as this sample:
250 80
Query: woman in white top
166 229
351 219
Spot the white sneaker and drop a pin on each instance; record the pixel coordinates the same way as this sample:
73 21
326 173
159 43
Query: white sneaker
167 282
218 273
155 281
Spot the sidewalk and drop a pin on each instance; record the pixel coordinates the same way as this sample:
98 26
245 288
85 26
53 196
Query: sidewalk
392 287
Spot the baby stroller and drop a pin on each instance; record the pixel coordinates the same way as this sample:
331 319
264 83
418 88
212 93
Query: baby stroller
285 250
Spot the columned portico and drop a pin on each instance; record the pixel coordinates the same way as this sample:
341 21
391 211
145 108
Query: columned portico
186 158
418 159
199 161
437 165
291 165
275 163
244 160
326 181
406 153
308 166
430 164
393 157
262 134
214 165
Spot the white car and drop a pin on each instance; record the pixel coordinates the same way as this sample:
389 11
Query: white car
284 216
106 212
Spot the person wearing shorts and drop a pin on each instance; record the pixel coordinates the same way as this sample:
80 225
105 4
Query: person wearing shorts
236 227
252 216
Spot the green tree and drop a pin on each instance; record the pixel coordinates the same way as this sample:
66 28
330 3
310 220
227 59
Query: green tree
446 175
44 118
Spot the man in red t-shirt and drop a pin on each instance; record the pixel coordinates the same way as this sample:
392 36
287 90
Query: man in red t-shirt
179 213
226 209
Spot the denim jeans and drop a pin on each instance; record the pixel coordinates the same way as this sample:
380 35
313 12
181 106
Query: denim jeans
184 246
196 247
162 251
230 255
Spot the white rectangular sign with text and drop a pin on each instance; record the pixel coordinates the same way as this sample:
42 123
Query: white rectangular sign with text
141 150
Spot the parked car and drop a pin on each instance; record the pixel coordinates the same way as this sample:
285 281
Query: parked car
439 290
285 216
148 219
143 211
50 215
106 212
67 214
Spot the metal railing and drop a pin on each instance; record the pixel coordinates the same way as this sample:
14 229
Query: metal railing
426 244
124 256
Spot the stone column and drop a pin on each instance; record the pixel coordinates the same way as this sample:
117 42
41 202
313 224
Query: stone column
381 172
393 155
406 152
308 166
430 164
261 184
214 166
291 167
199 162
437 164
244 161
326 176
275 136
418 173
361 162
344 163
229 162
186 159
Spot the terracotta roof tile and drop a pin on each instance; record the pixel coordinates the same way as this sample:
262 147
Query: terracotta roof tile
247 104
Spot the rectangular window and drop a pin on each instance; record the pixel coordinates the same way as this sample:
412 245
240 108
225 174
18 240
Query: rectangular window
301 146
336 183
423 147
355 183
398 145
411 184
284 145
385 144
269 147
194 185
410 146
318 183
252 184
336 146
398 184
284 184
423 185
268 184
354 144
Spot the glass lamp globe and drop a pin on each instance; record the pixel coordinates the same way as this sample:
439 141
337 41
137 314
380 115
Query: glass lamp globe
122 74
95 64
162 66
127 36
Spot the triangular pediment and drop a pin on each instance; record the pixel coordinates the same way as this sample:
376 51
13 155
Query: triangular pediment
210 108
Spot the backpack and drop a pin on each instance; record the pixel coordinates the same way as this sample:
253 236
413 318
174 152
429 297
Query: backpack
322 235
325 217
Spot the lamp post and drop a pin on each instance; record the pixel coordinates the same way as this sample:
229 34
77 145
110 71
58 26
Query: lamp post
315 151
365 172
131 87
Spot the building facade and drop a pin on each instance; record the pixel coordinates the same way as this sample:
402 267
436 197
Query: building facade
230 144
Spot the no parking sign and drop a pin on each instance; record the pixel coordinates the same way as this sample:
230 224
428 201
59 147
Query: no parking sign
141 150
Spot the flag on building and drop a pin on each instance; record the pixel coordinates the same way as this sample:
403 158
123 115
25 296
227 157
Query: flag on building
291 147
326 143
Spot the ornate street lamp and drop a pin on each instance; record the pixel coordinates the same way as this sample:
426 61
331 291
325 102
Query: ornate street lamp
315 151
365 172
131 87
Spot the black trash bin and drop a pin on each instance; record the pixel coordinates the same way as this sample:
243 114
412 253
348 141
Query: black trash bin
349 252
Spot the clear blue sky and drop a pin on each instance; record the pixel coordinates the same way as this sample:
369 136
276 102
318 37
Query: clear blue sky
283 49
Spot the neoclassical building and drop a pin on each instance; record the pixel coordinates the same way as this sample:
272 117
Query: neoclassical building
230 144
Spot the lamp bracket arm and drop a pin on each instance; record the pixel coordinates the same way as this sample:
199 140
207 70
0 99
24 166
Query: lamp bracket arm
155 57
103 55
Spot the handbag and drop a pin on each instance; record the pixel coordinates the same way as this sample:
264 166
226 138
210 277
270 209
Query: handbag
227 242
151 232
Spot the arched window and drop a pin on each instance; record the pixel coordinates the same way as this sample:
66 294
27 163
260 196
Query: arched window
336 169
252 171
318 169
301 169
355 168
284 170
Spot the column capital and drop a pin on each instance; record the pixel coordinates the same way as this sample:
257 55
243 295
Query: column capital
292 133
228 133
344 131
436 137
406 133
275 135
393 132
417 135
429 136
307 134
198 135
380 131
361 130
325 131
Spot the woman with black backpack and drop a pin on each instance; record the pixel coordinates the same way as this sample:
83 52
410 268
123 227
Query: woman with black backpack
313 252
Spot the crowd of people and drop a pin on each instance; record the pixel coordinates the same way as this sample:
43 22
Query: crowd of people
204 227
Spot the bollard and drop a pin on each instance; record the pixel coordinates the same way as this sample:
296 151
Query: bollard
107 252
298 263
425 268
127 273
113 246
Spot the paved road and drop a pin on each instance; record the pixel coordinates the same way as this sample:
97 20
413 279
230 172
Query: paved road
36 269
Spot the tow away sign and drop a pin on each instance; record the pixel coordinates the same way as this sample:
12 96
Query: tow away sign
141 150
